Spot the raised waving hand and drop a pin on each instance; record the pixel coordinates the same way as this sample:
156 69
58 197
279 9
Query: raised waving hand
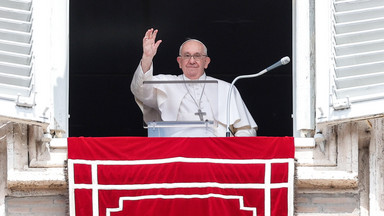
150 46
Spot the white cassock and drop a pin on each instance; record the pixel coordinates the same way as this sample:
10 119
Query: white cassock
179 102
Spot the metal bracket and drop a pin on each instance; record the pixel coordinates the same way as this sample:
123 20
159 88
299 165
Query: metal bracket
339 103
25 103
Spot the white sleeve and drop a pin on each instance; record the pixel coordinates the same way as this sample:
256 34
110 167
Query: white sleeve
245 132
143 94
138 78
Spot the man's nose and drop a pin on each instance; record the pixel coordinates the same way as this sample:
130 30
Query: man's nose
192 60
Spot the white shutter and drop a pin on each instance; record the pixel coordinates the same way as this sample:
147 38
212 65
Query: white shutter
356 61
34 62
16 70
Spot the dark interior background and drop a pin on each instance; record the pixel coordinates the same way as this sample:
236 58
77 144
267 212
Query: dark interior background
243 37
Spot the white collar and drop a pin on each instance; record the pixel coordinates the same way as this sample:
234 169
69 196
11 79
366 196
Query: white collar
202 77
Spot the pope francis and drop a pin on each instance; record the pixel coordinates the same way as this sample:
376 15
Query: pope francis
185 101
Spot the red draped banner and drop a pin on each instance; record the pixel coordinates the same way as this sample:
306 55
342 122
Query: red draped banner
136 176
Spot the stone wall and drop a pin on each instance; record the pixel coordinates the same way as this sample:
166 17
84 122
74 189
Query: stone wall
328 202
342 176
37 205
32 173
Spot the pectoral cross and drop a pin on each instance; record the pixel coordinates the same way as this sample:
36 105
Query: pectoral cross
200 114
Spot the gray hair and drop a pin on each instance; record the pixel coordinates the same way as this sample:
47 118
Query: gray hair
191 39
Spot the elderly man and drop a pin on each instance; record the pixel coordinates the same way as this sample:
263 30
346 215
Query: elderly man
186 102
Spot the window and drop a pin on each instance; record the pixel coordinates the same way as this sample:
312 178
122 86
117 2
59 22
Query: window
34 62
16 66
343 57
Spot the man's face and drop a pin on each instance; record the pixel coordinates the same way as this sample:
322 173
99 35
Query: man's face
193 67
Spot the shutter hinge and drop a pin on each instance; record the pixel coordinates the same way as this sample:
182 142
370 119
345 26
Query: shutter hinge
339 103
26 103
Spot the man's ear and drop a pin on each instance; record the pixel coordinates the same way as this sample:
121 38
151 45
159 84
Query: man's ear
207 61
178 59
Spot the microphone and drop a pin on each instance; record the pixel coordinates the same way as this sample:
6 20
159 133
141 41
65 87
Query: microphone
283 61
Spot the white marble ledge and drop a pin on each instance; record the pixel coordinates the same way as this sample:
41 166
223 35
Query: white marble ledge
305 142
37 178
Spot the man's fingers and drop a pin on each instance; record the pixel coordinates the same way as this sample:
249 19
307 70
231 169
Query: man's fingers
157 44
151 34
154 34
150 44
148 34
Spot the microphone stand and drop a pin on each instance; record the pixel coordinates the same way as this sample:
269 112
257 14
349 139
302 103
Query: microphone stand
228 133
283 61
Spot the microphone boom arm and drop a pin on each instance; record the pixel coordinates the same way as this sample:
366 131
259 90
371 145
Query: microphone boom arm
279 63
228 133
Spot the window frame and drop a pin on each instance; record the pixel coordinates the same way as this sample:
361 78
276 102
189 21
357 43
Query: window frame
313 66
47 104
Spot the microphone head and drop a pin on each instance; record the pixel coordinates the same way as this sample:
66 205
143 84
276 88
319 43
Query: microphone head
285 60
